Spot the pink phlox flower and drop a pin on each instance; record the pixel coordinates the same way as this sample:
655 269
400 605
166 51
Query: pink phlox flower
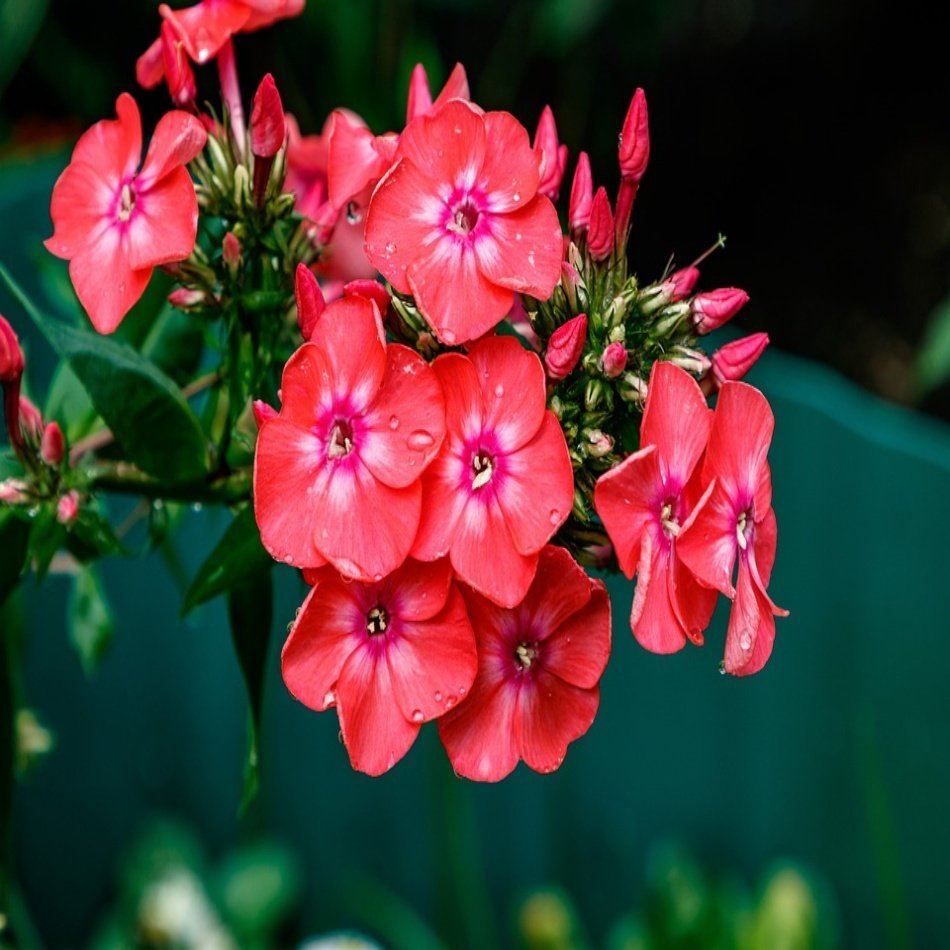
457 221
389 656
419 100
539 666
644 503
114 222
735 520
502 484
337 473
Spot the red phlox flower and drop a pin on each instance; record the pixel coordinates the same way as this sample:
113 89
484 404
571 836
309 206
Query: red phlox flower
336 474
645 501
735 518
457 222
389 656
115 224
539 665
502 484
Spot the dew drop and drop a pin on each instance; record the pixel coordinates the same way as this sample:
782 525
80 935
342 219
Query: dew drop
516 197
461 691
450 702
390 248
438 695
330 698
458 130
324 534
745 640
393 422
288 559
377 577
417 715
121 289
448 335
420 440
499 391
518 236
554 516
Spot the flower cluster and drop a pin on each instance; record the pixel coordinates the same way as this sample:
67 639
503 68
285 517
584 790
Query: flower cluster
454 443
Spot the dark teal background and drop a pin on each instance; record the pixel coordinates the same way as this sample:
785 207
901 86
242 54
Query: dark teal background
835 755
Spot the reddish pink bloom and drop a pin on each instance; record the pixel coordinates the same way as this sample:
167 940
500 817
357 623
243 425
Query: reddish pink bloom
711 309
457 221
634 148
539 665
307 167
268 128
683 281
419 100
732 361
735 519
582 196
389 656
52 445
11 354
553 155
600 233
502 484
644 502
67 508
336 474
614 360
115 224
565 347
177 68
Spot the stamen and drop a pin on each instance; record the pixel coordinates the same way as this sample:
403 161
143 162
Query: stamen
740 530
482 465
670 525
340 442
126 203
464 219
526 654
377 621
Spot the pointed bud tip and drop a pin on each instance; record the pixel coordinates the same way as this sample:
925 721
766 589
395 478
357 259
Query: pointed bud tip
310 300
268 126
52 445
565 347
600 232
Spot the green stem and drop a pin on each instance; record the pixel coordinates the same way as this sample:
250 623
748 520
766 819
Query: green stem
124 478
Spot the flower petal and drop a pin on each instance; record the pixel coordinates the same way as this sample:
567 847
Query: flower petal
693 604
559 590
80 208
652 618
113 147
327 630
164 222
205 27
354 161
510 169
751 631
177 139
447 147
417 590
707 543
578 650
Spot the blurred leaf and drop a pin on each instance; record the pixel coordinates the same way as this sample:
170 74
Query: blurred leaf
257 888
14 540
144 409
69 404
47 536
19 23
933 359
236 559
92 626
249 612
174 343
7 754
91 536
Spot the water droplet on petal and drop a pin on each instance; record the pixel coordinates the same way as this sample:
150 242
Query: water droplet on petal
555 516
330 698
377 577
420 440
499 390
448 335
324 534
518 236
288 559
438 695
745 640
390 248
393 422
450 702
417 715
461 691
516 197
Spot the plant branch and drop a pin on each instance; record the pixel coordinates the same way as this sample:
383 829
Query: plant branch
124 478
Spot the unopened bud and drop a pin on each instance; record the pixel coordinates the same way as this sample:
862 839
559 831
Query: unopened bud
186 298
656 297
716 307
582 196
600 233
732 361
670 319
242 184
553 155
693 361
570 279
268 126
231 252
31 421
419 100
11 355
177 67
565 347
597 443
633 389
14 491
613 360
593 394
52 445
67 508
310 300
684 280
263 412
634 147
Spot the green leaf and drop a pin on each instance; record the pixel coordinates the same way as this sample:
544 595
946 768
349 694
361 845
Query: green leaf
92 625
249 612
933 359
14 541
91 536
175 343
237 558
69 404
47 536
144 408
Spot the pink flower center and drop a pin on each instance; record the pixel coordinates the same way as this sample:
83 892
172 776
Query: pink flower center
340 443
464 218
525 654
377 621
482 469
126 203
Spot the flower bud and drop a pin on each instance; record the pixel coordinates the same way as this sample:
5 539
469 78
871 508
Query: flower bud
186 298
570 280
67 508
593 394
715 307
263 412
613 361
693 361
597 443
11 355
31 421
310 300
553 155
419 100
633 389
231 252
268 127
14 491
634 146
671 318
582 196
732 361
565 347
600 233
655 297
177 68
683 280
52 445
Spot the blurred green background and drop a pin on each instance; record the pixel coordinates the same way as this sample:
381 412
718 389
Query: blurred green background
800 131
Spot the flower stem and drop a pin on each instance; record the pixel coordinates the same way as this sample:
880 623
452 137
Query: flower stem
231 93
124 478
